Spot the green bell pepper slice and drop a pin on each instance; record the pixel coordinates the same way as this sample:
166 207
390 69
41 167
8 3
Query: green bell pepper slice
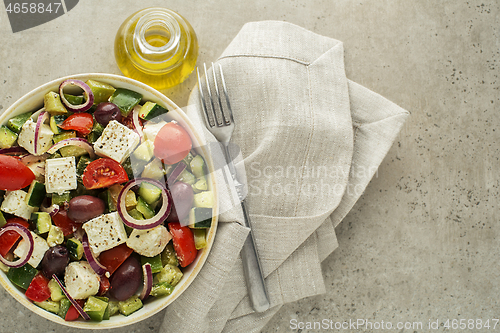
22 276
125 99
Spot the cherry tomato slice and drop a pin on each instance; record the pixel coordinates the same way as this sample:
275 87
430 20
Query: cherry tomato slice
113 258
9 238
103 172
14 175
72 313
67 225
103 285
38 290
183 240
80 122
172 143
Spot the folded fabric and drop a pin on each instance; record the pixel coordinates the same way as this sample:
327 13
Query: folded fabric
310 140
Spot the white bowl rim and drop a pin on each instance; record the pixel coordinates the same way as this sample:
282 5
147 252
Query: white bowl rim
160 303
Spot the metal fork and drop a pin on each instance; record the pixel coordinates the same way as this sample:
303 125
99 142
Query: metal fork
221 125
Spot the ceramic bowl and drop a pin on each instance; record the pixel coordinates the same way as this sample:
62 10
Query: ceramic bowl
33 101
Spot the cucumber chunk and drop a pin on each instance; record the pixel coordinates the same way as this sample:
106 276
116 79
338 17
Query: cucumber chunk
135 214
60 199
168 256
111 198
200 218
55 121
200 238
42 222
7 137
53 104
161 289
102 91
144 152
149 192
56 293
129 306
113 308
151 110
96 132
204 199
95 308
3 221
197 166
36 194
200 185
55 236
49 305
154 170
187 177
75 248
170 274
83 162
144 208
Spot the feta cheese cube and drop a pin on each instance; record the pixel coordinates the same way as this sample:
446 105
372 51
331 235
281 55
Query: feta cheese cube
60 175
80 279
105 232
26 138
39 249
15 203
116 142
149 242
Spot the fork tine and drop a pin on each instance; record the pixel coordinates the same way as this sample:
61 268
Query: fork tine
203 99
204 104
214 112
230 110
223 121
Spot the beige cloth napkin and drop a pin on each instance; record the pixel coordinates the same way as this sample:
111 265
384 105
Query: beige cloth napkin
311 140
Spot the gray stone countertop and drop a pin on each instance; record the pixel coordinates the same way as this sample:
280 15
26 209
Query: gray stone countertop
422 243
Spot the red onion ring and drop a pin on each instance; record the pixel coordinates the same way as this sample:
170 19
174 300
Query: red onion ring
136 122
13 150
87 92
71 299
176 173
26 235
96 265
79 142
148 281
30 159
42 118
148 223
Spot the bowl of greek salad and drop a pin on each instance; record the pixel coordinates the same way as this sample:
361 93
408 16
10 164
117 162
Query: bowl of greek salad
107 205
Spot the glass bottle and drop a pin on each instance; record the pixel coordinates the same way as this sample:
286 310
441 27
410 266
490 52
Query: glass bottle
156 46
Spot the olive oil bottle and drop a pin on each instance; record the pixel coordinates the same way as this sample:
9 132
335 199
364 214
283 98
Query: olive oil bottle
156 46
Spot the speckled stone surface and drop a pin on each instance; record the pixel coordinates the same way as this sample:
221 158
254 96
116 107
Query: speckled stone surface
422 243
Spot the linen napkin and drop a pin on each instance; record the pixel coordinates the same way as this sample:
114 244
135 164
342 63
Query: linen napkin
310 142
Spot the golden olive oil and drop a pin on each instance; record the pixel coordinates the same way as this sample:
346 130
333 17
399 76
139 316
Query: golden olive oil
157 47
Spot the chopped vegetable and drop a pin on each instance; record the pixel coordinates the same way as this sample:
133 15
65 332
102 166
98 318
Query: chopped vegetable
72 169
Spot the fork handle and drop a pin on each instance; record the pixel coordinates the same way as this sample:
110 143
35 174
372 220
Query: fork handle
252 270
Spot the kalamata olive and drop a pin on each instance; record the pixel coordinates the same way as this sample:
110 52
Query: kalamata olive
55 261
85 207
126 279
182 198
107 111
